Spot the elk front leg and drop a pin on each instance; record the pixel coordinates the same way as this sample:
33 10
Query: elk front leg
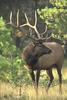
49 72
32 76
37 79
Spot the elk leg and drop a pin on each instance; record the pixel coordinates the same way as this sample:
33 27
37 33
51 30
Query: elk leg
37 80
49 72
60 79
32 76
37 77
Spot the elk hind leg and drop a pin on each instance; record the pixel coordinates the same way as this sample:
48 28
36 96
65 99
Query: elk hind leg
60 79
49 72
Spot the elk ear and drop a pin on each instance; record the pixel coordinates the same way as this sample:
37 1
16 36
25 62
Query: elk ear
43 49
47 50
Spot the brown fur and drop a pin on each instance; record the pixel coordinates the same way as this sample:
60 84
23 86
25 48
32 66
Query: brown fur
47 61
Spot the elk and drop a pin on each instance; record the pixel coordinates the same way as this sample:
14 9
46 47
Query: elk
40 55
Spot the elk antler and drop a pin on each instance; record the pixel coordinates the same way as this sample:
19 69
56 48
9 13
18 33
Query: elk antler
11 22
34 26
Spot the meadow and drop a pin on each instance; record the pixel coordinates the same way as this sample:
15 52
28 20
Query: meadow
10 92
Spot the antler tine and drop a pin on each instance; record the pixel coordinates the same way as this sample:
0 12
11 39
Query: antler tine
45 30
10 17
35 18
18 18
27 23
35 26
11 23
26 18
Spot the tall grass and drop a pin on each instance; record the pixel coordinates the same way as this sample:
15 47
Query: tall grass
10 92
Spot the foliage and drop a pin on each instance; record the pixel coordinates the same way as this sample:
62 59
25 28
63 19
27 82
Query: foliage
11 65
59 3
55 17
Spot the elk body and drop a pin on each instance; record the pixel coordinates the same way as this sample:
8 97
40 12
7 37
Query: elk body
46 61
41 55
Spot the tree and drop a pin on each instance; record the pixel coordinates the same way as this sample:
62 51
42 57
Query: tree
55 16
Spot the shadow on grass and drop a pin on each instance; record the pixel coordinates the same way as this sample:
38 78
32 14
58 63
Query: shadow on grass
56 82
11 97
64 81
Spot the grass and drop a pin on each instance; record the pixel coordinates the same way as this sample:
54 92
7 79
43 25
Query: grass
9 92
28 93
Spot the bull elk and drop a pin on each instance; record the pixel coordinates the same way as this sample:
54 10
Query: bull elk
41 55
